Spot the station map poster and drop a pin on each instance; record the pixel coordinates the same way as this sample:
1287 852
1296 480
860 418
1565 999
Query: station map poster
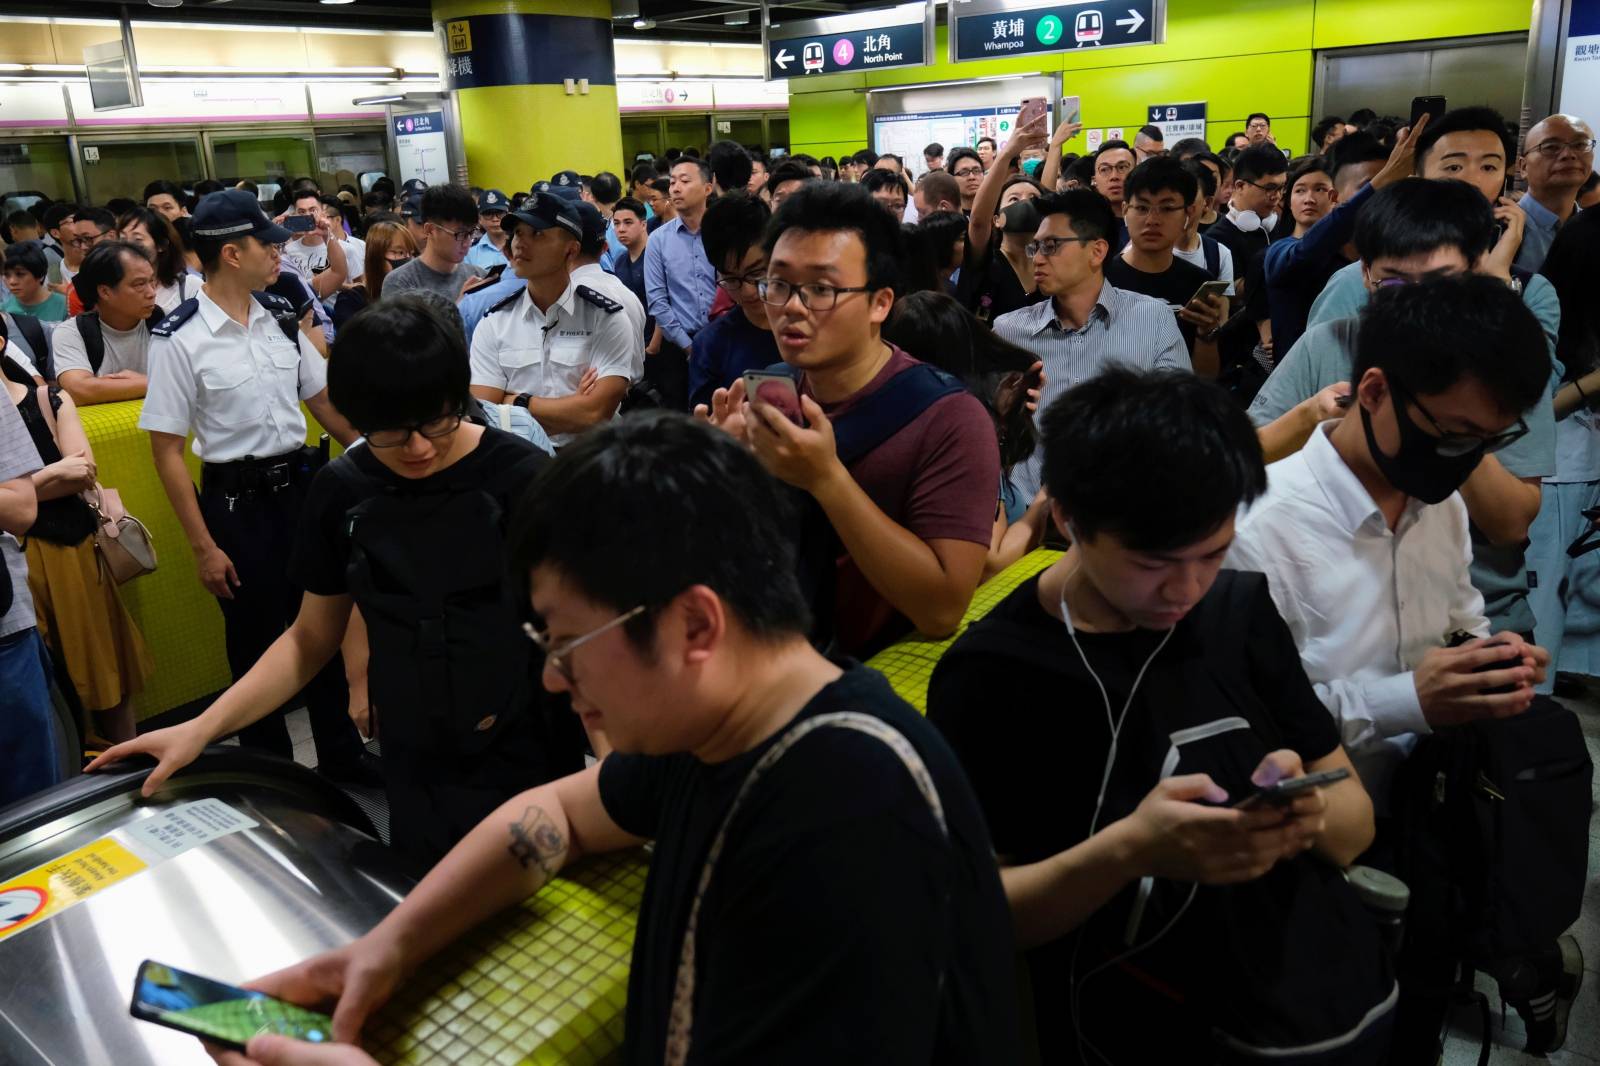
907 134
1580 65
420 143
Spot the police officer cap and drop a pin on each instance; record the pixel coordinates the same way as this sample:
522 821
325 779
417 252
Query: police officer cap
235 213
412 185
567 184
594 225
411 206
492 200
544 210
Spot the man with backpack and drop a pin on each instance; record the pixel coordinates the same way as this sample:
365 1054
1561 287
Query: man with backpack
410 528
1116 716
102 355
1363 539
899 461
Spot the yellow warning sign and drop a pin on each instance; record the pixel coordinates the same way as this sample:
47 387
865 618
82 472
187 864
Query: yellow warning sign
458 34
45 890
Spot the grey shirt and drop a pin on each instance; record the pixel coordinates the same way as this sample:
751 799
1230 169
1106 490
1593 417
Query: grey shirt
1323 356
417 276
1123 329
18 458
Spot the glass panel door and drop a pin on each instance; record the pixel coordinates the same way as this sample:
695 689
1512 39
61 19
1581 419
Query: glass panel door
746 129
29 169
271 160
641 134
778 133
689 131
356 158
114 167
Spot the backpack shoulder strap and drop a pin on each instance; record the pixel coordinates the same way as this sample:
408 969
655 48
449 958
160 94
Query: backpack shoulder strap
1213 255
38 339
889 410
94 340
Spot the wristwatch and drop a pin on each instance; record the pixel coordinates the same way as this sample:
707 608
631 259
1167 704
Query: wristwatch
1514 283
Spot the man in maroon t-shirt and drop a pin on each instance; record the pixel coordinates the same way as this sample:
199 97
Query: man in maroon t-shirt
915 513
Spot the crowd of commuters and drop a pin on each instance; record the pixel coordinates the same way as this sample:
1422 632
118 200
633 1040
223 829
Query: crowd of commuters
637 468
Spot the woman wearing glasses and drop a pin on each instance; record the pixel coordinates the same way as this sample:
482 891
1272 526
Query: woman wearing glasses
389 247
409 526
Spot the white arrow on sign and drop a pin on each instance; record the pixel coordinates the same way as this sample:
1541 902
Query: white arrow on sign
783 59
1132 23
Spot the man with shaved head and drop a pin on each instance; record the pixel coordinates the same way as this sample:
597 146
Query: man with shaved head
1557 158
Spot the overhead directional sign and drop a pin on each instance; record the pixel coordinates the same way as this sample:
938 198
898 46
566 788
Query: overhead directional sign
995 29
868 40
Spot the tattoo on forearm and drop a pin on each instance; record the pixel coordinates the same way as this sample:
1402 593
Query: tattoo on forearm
536 840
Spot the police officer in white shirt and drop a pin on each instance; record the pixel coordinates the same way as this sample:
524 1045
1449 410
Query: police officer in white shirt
102 355
586 268
536 348
224 366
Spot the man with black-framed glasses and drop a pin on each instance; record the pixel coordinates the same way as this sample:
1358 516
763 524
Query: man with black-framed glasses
449 218
739 339
1557 159
1087 323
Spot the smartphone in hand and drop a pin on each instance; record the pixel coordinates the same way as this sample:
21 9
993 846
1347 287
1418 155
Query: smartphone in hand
299 223
1032 108
774 390
1432 106
220 1013
1284 792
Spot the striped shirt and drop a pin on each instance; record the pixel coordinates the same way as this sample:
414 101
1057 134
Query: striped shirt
1124 329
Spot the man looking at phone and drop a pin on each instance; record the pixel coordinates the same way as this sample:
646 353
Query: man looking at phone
1094 805
1558 159
315 249
742 338
1160 195
909 514
449 215
539 347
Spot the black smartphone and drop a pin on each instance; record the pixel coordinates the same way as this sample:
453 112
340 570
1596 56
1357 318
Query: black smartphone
299 223
1432 106
494 272
220 1013
1284 792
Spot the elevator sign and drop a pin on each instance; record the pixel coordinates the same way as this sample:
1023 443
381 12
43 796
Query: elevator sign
838 44
998 29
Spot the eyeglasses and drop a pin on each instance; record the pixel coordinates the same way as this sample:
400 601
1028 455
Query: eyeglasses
966 172
86 242
1271 190
814 296
1114 168
1049 246
1164 210
432 429
736 285
1553 149
1455 445
555 656
462 237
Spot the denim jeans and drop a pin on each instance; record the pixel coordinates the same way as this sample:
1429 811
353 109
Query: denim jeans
30 756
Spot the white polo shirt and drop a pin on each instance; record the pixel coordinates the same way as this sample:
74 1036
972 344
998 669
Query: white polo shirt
520 349
238 387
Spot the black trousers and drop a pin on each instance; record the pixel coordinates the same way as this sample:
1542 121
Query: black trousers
668 373
257 531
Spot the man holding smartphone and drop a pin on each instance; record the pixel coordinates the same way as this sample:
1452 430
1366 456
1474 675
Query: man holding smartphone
314 249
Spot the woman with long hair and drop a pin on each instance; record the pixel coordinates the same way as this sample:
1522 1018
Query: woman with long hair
389 244
152 231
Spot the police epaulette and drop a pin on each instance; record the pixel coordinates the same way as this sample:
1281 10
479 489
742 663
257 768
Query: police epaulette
180 314
272 301
507 302
599 299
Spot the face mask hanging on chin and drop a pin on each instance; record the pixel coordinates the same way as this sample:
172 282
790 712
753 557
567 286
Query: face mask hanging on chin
1417 469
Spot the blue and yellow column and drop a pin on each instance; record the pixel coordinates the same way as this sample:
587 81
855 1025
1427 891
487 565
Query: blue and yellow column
507 61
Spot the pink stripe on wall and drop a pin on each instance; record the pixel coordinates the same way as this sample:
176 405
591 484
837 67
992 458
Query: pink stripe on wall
169 119
32 122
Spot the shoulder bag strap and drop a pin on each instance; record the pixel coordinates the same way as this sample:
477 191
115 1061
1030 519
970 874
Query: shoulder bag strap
42 395
681 1017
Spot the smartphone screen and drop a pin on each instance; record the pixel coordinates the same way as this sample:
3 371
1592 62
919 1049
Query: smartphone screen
1432 106
217 1012
299 223
777 390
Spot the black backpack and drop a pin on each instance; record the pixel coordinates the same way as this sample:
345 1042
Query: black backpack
1494 844
94 338
37 338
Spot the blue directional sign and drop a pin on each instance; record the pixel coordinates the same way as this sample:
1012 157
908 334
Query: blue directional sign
999 30
869 40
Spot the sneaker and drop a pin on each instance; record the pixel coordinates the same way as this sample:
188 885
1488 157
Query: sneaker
1557 973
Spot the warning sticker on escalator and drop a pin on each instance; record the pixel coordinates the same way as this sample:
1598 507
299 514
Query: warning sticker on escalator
171 831
45 890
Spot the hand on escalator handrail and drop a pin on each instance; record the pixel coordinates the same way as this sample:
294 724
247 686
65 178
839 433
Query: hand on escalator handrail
173 748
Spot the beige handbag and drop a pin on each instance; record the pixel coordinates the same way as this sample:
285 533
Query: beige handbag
121 540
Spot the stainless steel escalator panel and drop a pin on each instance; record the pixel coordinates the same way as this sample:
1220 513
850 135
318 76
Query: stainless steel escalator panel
301 881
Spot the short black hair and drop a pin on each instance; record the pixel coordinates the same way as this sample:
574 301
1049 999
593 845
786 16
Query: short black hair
956 155
642 174
706 173
1114 146
98 215
638 510
56 214
789 171
831 207
1259 161
1415 216
628 203
398 362
1205 178
734 224
662 185
1572 266
29 255
606 187
1363 116
118 204
866 157
1081 171
104 265
21 218
1152 132
1467 119
1262 115
207 186
305 192
161 187
1161 174
1190 148
991 141
1088 213
730 164
448 203
1319 132
1352 150
1430 335
933 149
877 178
1184 441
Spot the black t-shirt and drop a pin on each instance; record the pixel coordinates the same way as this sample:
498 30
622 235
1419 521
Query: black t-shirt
502 465
836 909
988 286
1034 742
1176 285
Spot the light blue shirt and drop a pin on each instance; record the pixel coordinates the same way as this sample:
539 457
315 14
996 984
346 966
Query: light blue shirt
1538 235
614 247
475 304
680 283
484 255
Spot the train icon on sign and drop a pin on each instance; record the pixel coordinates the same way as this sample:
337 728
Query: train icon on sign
811 56
1088 28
